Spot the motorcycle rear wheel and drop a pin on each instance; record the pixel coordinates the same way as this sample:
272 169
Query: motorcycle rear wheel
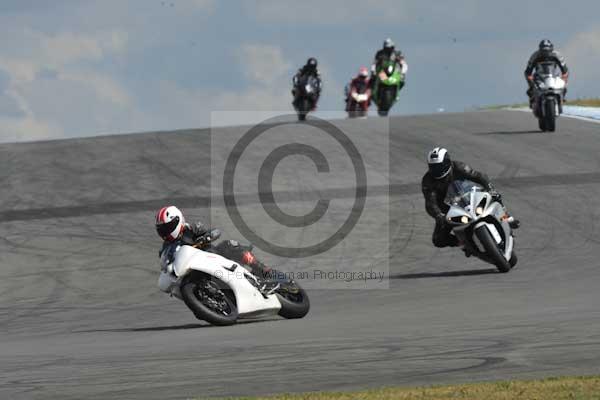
293 305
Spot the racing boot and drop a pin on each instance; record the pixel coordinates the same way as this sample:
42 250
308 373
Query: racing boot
529 93
270 280
461 244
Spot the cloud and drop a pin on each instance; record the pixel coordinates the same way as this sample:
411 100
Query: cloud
52 82
267 75
94 67
509 17
203 4
318 12
182 7
103 85
38 51
583 57
262 64
19 70
28 128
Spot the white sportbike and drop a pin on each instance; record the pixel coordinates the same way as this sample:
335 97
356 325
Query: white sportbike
221 291
481 224
548 96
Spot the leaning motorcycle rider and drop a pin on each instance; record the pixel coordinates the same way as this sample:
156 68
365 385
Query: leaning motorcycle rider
388 52
309 69
544 55
442 172
171 227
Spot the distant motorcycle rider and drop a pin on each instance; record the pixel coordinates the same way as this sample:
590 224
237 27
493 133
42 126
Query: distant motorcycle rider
171 227
388 52
442 172
309 69
359 84
544 55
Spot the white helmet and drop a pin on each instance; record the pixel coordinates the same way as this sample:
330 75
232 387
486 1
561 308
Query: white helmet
170 223
439 162
388 44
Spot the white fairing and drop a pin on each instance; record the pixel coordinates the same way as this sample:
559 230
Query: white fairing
552 83
478 207
360 97
404 69
186 258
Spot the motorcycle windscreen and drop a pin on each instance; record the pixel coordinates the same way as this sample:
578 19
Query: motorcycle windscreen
459 192
547 68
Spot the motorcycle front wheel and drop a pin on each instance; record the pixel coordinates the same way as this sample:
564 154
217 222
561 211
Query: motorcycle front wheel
294 303
491 249
210 300
550 115
303 108
386 100
542 124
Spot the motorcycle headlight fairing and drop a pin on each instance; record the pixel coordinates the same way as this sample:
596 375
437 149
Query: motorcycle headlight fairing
460 219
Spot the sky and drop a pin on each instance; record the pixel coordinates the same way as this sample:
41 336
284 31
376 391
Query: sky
76 68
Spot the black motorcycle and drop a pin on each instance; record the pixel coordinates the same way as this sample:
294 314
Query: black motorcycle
306 94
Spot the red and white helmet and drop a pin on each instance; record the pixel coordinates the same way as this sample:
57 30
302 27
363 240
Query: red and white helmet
169 223
363 71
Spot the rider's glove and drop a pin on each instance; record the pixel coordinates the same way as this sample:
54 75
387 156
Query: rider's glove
530 77
440 219
495 195
565 77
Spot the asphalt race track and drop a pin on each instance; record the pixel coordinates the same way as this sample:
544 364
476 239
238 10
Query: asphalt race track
81 316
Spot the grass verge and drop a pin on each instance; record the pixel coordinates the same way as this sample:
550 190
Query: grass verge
592 102
571 388
585 102
504 106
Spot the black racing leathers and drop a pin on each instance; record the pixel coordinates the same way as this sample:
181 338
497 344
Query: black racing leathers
539 57
435 190
383 55
307 71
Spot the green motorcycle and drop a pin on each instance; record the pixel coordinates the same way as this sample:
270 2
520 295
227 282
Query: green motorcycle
389 81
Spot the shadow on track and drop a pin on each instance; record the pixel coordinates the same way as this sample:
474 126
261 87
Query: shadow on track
446 274
175 327
507 132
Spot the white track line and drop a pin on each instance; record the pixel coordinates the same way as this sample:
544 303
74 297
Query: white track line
597 121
